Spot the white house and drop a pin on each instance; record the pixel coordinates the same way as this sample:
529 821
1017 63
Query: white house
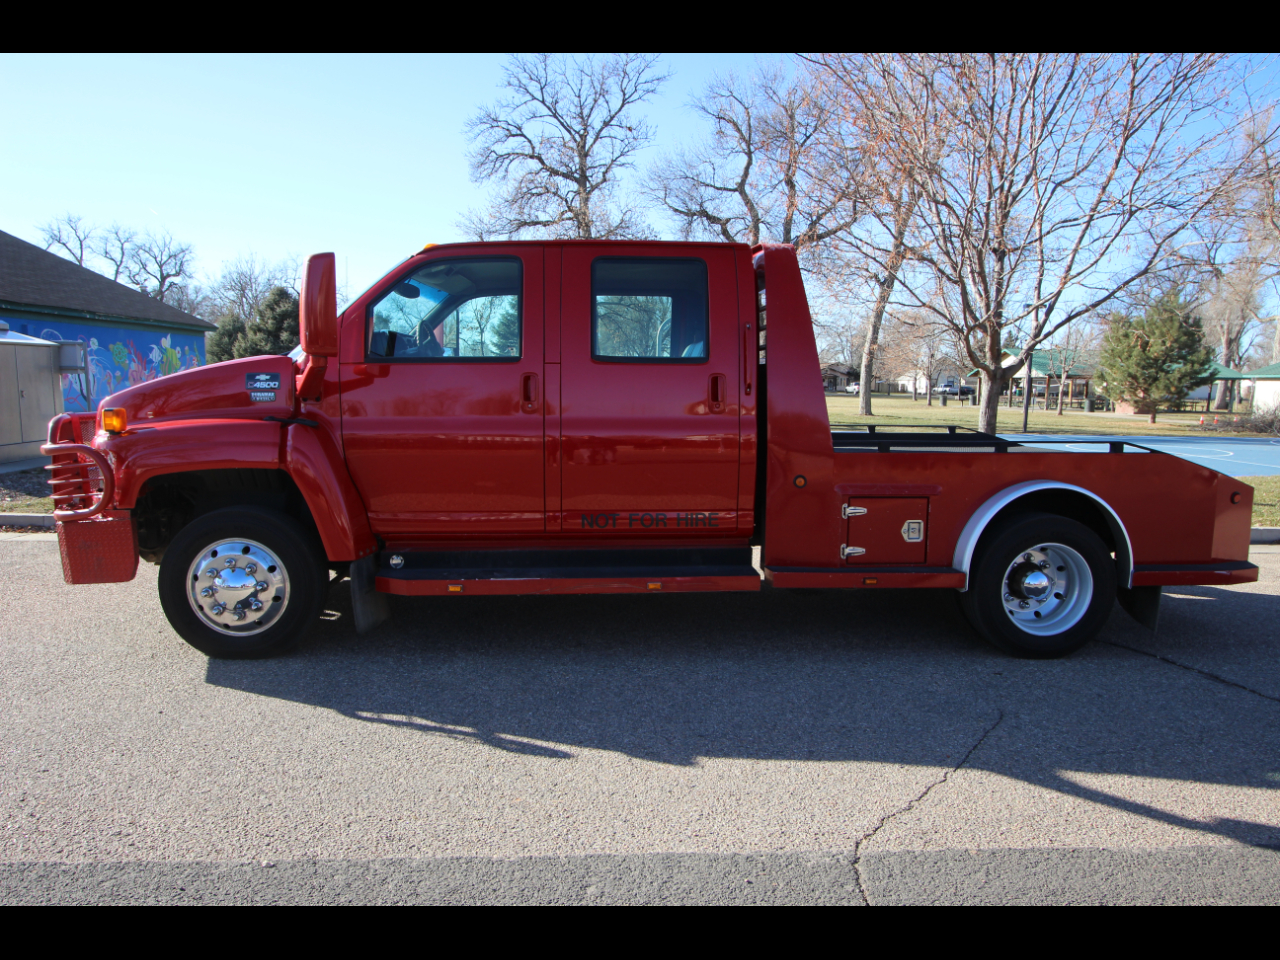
1266 387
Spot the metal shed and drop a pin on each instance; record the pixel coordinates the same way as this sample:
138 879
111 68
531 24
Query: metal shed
30 391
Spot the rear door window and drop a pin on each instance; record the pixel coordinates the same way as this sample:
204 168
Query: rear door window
650 310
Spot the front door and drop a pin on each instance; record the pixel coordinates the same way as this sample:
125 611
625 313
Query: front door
649 393
442 418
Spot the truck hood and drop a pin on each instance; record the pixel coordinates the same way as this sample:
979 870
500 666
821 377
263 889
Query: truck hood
250 389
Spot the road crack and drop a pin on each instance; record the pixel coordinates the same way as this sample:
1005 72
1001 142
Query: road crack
1183 666
910 804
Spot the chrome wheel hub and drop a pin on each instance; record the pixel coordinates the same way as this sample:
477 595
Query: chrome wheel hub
237 587
1047 589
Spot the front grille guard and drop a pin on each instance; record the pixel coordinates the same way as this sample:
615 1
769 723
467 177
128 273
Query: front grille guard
82 482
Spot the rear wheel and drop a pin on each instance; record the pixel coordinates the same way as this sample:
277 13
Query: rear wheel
1041 586
242 583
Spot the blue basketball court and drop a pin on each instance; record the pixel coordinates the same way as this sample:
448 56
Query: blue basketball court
1234 456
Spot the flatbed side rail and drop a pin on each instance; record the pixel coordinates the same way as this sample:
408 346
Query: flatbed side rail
885 441
81 478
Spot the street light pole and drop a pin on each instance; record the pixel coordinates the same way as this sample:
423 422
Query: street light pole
1026 393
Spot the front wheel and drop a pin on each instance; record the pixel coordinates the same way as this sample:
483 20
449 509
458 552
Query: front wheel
1041 586
242 583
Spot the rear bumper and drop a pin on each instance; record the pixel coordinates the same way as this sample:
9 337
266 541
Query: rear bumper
1181 574
101 550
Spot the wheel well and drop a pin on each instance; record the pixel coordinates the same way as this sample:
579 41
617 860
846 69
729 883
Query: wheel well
168 503
1074 505
1065 503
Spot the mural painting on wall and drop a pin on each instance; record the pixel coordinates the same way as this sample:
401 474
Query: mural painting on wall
119 358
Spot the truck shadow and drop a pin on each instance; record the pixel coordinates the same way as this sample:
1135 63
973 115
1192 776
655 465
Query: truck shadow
889 676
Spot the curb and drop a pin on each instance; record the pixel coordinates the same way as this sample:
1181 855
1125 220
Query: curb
1264 535
30 520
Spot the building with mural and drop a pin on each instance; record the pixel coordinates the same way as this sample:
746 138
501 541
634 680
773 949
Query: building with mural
128 337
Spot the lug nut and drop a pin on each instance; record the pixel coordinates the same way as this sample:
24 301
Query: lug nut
218 609
1023 604
230 561
208 591
255 605
260 585
252 568
238 614
1044 564
1025 556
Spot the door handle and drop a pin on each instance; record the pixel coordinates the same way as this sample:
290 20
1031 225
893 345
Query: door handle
715 393
529 392
750 357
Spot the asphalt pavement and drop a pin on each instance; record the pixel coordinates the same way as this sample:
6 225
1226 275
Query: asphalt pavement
786 747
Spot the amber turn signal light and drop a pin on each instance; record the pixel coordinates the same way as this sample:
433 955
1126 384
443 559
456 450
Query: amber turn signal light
113 420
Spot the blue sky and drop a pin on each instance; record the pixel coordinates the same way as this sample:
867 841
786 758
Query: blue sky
274 155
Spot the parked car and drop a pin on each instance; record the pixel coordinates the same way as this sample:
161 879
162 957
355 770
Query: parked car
952 390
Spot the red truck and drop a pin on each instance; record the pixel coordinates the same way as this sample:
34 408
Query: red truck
598 417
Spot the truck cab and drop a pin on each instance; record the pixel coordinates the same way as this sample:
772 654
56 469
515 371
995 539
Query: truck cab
597 417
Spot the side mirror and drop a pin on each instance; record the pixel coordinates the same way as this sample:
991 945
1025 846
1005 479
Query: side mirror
318 314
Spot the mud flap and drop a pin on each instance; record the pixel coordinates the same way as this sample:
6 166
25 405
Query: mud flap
1141 603
368 607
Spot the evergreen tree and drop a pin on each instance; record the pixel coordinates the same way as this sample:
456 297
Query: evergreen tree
221 344
275 329
1154 359
505 336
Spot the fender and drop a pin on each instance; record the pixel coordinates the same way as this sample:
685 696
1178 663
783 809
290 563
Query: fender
145 452
977 523
313 461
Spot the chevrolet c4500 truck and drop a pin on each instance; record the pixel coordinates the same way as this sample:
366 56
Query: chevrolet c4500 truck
598 417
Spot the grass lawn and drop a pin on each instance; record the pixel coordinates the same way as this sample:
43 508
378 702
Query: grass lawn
901 410
1266 500
25 492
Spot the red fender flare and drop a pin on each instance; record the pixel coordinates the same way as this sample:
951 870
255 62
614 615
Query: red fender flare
314 462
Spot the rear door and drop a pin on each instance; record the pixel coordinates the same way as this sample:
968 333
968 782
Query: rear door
650 391
442 417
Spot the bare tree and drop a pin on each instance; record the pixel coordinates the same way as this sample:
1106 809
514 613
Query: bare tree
70 235
117 246
1064 354
913 344
156 264
556 146
191 297
1231 309
877 251
1063 181
1263 197
773 167
159 263
245 283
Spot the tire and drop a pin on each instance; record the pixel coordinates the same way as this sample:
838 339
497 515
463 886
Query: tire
242 583
1041 586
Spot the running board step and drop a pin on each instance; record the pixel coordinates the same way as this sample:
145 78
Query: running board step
566 571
